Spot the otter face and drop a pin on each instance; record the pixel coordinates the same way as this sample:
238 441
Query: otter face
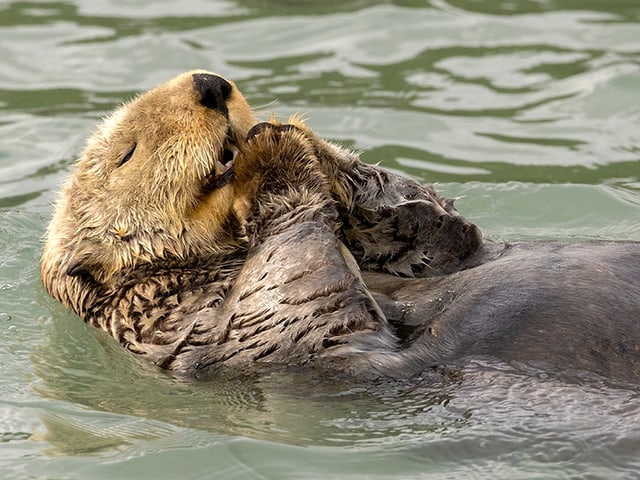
155 180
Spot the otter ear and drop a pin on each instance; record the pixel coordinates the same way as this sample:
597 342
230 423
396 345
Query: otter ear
83 261
78 268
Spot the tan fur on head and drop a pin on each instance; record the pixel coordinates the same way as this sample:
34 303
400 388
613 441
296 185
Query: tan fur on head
137 191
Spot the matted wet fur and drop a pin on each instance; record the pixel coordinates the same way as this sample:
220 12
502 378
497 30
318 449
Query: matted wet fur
198 237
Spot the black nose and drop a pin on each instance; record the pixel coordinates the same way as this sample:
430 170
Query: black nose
213 91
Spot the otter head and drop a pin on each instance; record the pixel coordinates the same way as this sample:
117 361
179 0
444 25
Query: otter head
155 181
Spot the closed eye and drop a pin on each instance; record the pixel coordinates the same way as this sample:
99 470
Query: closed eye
127 157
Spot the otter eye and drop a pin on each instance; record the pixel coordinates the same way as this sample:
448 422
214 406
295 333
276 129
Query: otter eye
127 157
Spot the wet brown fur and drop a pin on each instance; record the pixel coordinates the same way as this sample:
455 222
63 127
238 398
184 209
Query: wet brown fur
309 256
137 250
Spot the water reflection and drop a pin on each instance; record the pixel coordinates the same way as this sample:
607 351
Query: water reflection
463 417
297 407
617 10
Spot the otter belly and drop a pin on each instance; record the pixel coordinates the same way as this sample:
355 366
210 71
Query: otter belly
570 306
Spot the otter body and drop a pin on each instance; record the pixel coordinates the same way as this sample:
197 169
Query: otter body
561 305
198 237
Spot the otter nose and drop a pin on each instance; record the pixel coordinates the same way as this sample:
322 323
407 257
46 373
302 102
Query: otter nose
213 91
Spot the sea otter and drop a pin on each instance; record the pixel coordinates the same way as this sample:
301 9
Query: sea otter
199 237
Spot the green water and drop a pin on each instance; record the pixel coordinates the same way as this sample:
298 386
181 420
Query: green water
528 110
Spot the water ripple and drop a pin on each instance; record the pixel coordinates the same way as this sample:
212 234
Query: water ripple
526 109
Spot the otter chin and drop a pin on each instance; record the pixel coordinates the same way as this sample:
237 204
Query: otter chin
199 237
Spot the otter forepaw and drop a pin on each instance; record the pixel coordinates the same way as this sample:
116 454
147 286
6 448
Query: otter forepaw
277 150
275 128
278 159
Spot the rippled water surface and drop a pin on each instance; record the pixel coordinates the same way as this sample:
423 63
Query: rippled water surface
528 110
